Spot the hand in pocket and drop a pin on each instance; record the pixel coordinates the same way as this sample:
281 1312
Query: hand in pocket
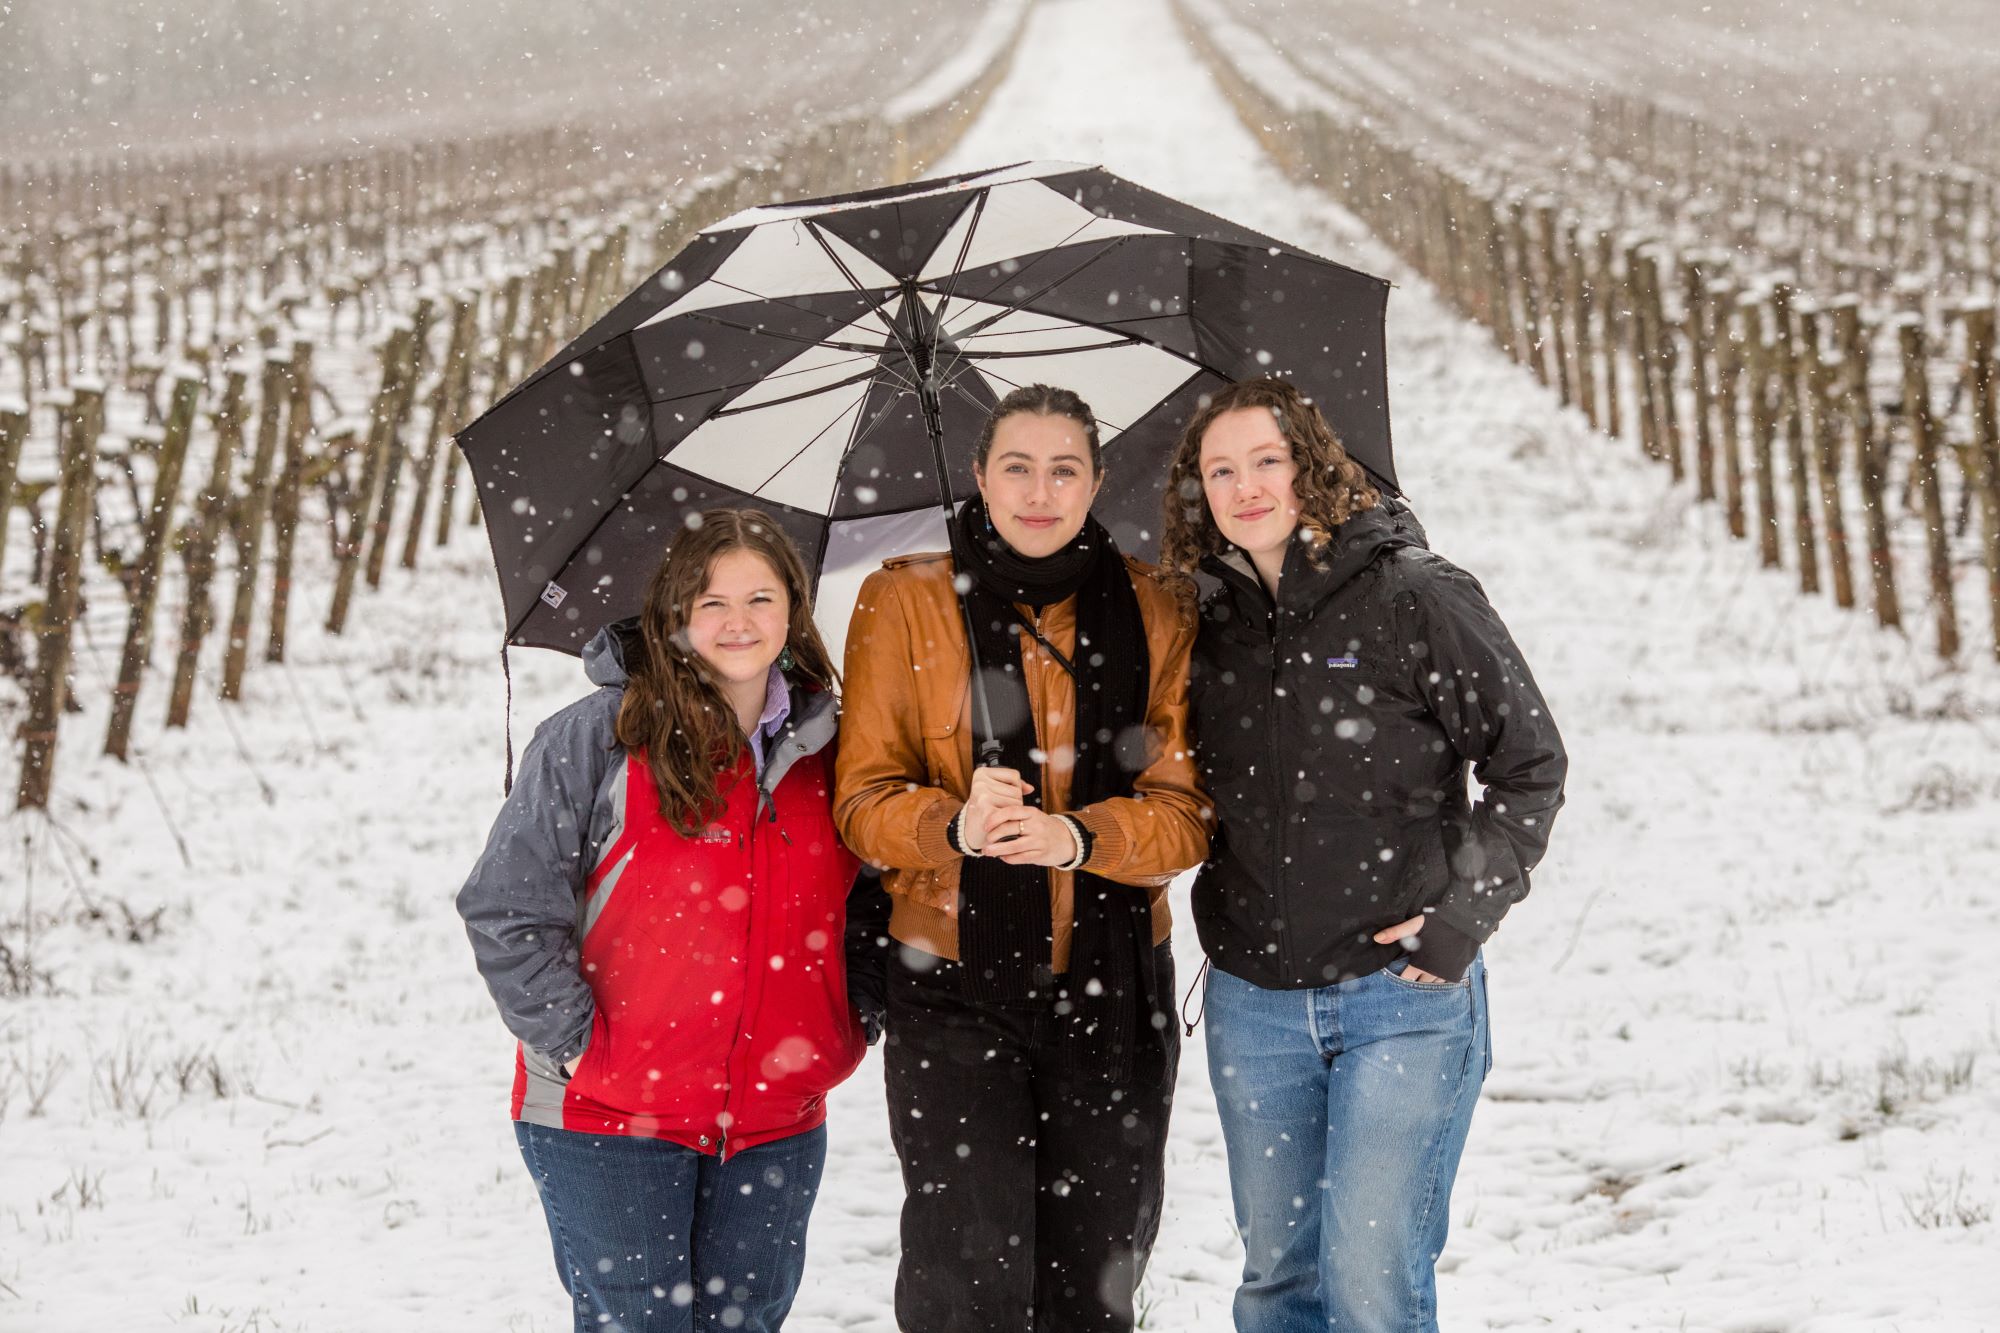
1403 931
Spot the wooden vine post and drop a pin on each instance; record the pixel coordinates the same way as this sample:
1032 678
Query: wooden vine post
1817 374
1871 460
1986 447
1791 403
13 434
199 541
397 370
395 454
252 508
1727 340
285 501
1763 360
48 689
153 556
1924 475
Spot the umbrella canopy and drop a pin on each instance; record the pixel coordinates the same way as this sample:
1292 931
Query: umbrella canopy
783 359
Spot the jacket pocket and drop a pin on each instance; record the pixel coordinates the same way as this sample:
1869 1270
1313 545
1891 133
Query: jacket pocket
1410 983
1426 869
587 1077
939 722
938 718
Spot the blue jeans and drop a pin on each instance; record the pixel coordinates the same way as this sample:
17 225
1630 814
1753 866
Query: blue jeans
1344 1110
651 1237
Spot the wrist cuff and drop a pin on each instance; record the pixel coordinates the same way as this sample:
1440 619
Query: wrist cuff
1083 840
1444 950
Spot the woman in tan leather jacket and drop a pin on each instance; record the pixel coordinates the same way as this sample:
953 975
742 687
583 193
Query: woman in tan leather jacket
1031 1043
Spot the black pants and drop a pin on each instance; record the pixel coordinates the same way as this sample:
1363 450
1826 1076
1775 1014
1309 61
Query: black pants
1032 1198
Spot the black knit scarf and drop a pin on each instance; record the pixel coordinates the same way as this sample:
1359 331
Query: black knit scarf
1109 998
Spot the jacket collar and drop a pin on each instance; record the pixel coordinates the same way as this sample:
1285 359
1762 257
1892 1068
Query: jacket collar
810 727
1304 583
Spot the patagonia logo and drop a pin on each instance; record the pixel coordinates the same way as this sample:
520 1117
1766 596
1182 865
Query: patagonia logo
1343 663
715 833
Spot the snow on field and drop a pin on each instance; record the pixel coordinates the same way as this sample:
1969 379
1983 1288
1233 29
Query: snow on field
1746 1043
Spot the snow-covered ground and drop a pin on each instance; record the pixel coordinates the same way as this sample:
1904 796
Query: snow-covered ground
1745 1030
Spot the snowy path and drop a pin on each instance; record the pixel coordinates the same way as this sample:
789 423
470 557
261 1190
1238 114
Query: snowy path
1746 1050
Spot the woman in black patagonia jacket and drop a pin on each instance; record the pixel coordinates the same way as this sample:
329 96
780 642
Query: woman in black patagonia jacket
1343 679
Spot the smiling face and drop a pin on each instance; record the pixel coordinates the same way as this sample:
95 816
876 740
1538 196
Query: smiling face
738 622
1038 482
1247 476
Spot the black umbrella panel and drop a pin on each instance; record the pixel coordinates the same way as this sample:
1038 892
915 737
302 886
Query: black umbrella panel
778 360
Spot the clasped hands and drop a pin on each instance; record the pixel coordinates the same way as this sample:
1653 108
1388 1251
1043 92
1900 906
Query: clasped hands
998 823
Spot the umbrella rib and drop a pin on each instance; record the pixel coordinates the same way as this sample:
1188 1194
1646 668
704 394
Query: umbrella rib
791 397
964 249
783 303
758 332
1047 251
730 390
854 282
953 386
1011 385
733 387
861 438
1116 242
862 349
881 415
959 338
975 355
817 435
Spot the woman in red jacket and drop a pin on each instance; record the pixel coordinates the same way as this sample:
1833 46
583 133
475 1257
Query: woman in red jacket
661 915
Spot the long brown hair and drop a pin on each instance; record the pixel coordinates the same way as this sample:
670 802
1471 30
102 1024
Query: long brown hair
1330 485
673 710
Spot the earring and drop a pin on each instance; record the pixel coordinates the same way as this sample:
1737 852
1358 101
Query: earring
785 659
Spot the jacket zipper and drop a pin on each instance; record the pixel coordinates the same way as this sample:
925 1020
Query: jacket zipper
743 842
1279 887
1038 707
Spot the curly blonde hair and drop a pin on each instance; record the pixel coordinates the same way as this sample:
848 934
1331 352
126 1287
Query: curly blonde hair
1331 487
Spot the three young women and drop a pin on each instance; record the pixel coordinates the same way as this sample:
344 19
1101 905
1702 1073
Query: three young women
1343 680
1031 1049
661 914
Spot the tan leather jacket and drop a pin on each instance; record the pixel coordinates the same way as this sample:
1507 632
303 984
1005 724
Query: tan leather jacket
905 760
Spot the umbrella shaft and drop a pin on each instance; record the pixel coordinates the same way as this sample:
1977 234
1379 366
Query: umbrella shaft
923 359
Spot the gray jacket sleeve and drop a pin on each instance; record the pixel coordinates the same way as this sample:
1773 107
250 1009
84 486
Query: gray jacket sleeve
1479 690
520 902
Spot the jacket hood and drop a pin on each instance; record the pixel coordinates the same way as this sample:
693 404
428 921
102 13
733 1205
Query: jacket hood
1354 547
605 656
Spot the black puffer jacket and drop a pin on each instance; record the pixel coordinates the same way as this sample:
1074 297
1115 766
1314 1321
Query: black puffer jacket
1334 730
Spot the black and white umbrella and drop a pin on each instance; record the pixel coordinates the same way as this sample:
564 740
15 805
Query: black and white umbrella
831 362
